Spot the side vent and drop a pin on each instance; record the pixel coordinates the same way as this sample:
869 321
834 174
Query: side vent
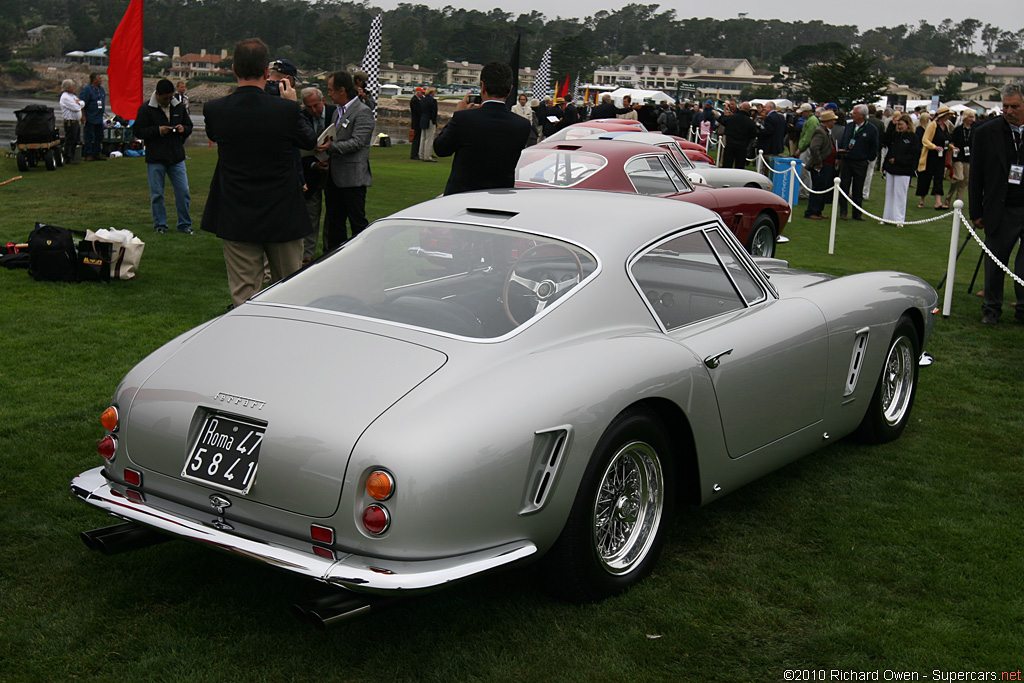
860 346
549 449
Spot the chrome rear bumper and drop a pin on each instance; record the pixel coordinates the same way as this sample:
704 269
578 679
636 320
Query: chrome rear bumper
360 573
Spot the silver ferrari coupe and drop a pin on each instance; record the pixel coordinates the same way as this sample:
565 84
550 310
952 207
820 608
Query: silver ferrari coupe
501 376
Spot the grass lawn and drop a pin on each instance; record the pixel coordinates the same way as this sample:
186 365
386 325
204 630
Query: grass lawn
905 557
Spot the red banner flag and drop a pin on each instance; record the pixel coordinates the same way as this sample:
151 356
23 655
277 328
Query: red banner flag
125 71
563 92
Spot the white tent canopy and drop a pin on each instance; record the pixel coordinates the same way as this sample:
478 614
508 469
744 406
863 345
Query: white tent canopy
75 53
780 103
638 96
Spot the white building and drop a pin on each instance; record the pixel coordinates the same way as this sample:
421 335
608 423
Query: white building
718 77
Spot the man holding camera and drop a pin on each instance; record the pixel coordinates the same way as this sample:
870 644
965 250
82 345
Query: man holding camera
164 127
485 140
255 204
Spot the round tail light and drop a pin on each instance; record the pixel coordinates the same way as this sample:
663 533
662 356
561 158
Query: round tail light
107 447
109 419
380 485
376 519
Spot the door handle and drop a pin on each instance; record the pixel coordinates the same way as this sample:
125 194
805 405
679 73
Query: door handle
715 360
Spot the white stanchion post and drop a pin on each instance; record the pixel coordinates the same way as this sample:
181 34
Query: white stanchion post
835 216
954 240
792 181
718 157
760 161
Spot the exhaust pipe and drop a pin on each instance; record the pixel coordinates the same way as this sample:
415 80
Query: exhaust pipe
121 538
332 609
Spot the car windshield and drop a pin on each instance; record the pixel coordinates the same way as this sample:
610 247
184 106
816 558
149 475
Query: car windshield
557 167
463 280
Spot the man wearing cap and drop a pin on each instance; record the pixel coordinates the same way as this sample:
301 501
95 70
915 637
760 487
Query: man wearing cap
283 73
806 112
164 126
997 198
485 140
315 165
414 121
821 159
255 204
428 125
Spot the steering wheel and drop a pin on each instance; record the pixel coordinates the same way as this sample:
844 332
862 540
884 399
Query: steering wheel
544 291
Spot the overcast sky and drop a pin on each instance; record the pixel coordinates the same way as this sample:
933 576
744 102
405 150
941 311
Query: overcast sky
866 15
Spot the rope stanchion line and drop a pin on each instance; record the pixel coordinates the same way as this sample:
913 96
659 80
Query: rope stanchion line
988 252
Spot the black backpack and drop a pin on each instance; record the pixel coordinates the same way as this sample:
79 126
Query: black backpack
36 123
52 254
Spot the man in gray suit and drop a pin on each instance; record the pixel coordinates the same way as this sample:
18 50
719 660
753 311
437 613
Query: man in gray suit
349 154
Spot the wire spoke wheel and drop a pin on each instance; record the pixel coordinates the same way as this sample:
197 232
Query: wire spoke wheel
898 381
629 507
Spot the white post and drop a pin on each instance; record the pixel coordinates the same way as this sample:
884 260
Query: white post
835 215
954 240
718 157
792 181
760 161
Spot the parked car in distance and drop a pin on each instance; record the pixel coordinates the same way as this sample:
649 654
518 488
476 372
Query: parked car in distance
757 217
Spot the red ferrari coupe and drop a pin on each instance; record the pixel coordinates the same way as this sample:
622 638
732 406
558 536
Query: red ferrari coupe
755 216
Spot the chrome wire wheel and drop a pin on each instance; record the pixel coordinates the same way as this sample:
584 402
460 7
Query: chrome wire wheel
762 238
898 381
629 507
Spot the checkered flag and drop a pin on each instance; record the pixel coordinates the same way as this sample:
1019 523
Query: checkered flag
576 89
540 83
371 61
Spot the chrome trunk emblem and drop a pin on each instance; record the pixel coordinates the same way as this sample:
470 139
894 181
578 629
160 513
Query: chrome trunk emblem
219 502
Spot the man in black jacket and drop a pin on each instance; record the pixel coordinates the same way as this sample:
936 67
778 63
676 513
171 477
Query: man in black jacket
255 204
740 130
485 140
164 127
997 198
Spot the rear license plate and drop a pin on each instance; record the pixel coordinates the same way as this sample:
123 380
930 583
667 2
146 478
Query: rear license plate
226 453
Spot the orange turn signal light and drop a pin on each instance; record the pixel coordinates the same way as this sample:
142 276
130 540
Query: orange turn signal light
109 419
380 485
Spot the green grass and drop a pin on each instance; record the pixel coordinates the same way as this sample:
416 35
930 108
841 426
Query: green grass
901 557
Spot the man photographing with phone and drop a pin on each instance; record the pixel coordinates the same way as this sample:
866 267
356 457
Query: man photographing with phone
486 139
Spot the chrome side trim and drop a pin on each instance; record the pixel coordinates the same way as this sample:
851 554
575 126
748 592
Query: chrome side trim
361 573
860 345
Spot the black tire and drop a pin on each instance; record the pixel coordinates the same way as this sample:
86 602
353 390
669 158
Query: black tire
48 158
619 520
761 241
893 399
58 157
22 159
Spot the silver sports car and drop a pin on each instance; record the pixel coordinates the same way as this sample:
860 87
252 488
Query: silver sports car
501 375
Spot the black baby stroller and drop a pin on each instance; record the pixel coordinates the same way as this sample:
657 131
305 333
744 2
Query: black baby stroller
37 138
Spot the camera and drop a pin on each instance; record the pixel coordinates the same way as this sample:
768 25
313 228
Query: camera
273 88
475 98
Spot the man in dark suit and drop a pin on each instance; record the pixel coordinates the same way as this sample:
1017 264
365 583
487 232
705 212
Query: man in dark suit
857 150
255 204
345 192
315 165
605 110
415 104
997 198
485 140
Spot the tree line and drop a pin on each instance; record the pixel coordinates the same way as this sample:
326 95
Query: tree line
326 34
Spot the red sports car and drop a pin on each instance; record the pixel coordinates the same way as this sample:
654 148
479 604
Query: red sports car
755 216
585 129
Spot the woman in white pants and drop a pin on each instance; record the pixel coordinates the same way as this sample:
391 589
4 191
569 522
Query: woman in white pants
900 161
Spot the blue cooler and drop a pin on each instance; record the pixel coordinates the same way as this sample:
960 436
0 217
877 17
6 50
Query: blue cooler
782 178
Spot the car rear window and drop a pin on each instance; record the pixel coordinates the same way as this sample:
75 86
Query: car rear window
557 167
463 280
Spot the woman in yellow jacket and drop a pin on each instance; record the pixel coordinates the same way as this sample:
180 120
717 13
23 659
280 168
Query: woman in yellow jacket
931 166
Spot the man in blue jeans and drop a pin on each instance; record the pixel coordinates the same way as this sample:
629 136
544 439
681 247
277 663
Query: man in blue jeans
94 99
164 127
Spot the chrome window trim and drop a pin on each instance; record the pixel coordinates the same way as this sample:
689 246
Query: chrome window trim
703 228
